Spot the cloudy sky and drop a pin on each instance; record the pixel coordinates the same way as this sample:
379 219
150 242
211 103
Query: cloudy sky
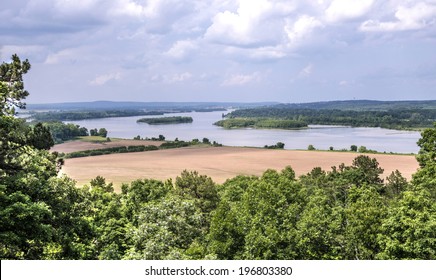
217 50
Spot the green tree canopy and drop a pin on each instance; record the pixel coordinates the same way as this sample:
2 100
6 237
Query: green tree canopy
12 90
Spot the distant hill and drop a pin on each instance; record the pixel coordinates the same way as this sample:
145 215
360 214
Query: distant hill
113 105
363 105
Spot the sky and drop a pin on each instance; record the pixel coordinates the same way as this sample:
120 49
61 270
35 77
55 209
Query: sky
234 51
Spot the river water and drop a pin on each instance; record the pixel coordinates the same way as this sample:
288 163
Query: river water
321 137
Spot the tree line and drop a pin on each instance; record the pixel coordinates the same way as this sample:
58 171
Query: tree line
90 114
348 212
398 118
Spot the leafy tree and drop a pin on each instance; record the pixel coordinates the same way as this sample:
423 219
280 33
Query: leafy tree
280 145
12 90
425 176
427 143
409 231
140 192
201 188
166 229
102 132
41 217
320 229
396 184
93 132
364 213
41 137
65 131
311 148
362 149
363 171
353 148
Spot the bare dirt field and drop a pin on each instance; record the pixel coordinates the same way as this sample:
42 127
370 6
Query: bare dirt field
220 163
77 145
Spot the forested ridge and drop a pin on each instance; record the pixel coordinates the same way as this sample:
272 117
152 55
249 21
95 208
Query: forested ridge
90 114
348 212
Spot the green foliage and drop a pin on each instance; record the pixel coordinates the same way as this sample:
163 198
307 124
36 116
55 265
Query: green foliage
166 120
112 150
279 145
320 230
311 148
174 144
427 143
139 193
425 177
41 137
260 123
200 188
363 149
409 231
12 90
396 184
165 229
364 212
363 171
90 114
63 132
102 132
393 117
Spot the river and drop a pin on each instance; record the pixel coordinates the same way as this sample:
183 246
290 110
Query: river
321 137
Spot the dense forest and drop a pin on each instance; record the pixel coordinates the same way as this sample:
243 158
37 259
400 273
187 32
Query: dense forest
393 118
348 212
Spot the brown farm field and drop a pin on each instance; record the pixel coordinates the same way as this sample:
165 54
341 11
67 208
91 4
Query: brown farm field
220 163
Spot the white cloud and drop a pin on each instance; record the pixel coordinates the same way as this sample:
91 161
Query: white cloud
178 78
182 49
61 56
69 6
227 43
241 79
302 28
408 18
344 83
340 10
306 71
256 22
103 79
134 9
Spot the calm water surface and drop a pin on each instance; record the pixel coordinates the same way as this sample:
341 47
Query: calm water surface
322 137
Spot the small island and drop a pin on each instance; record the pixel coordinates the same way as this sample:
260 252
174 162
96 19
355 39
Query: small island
166 120
260 123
